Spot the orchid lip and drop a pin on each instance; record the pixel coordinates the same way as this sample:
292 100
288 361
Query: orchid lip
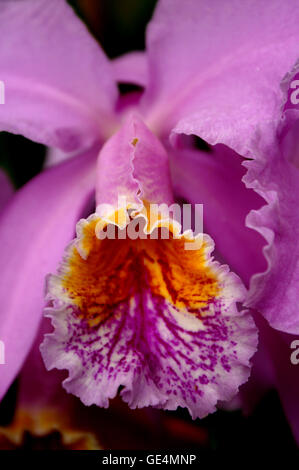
117 305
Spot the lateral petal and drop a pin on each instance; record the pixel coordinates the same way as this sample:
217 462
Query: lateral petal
58 84
34 227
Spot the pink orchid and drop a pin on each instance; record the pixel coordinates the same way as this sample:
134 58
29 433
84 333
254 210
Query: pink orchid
163 323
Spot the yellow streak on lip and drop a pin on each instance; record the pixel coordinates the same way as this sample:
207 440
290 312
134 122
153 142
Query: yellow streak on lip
115 270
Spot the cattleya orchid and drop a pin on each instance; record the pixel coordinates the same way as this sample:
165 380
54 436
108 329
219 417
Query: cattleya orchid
166 326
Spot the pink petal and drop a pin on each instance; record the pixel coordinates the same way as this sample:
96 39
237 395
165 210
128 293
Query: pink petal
34 228
274 292
145 313
214 179
215 68
227 90
131 68
133 160
59 88
39 388
54 156
164 354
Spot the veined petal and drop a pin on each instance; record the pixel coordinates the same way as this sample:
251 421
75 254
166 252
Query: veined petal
58 84
151 317
145 313
34 227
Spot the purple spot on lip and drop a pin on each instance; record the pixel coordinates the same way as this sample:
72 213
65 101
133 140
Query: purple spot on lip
225 363
203 379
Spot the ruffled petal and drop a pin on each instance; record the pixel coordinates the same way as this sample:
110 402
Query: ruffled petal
145 314
49 418
274 292
34 227
59 88
168 338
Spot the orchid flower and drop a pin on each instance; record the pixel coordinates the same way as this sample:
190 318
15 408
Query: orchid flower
163 324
